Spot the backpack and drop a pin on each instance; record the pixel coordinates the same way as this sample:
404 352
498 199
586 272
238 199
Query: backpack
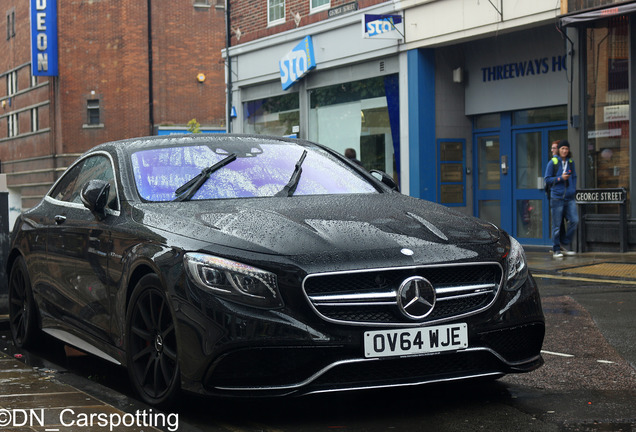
546 186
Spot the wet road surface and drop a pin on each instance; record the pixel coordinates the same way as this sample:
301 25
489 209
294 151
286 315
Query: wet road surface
588 383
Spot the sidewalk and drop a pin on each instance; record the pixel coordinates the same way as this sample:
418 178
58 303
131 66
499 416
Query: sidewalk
592 265
33 399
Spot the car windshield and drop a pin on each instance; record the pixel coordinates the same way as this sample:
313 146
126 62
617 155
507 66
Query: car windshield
261 169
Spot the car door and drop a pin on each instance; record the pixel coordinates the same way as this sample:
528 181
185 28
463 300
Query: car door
78 247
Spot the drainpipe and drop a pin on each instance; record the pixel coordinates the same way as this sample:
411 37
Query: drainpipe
150 77
228 42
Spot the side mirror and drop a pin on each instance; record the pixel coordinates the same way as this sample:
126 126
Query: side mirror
385 179
94 195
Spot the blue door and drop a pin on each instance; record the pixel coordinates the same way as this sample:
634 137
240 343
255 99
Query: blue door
531 209
509 180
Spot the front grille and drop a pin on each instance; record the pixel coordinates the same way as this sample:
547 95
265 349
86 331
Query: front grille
371 296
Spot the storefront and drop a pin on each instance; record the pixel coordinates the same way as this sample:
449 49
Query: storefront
516 103
517 96
601 115
354 114
311 85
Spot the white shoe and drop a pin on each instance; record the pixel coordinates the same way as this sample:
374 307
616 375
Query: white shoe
557 254
566 251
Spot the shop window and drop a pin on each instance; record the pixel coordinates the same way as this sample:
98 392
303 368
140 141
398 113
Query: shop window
275 12
452 166
279 116
362 115
318 5
607 107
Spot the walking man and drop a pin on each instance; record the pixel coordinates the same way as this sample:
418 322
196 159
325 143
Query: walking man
560 174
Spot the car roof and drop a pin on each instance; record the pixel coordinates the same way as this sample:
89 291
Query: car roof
132 145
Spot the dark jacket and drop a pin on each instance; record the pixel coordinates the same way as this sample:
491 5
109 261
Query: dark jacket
559 188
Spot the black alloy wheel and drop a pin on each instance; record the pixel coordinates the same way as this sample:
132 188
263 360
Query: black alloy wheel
151 349
22 316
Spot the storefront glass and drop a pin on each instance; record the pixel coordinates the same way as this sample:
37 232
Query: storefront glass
361 115
607 95
272 116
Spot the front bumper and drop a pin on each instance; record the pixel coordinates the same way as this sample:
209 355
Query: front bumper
228 349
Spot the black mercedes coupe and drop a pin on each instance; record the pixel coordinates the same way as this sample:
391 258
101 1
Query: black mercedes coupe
263 266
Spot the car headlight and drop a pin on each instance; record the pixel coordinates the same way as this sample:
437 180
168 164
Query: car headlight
517 266
233 280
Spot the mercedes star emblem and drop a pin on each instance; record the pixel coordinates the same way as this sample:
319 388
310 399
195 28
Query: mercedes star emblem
416 297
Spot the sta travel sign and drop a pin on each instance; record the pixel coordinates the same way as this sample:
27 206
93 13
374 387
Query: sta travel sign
382 26
44 38
297 63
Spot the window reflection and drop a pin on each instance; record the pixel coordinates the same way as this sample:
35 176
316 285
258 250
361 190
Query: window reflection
275 116
359 115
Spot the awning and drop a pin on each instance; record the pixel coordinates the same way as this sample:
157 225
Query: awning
592 15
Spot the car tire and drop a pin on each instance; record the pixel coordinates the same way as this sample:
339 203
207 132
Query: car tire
151 347
22 309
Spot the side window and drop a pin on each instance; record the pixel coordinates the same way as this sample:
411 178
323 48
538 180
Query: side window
94 167
64 189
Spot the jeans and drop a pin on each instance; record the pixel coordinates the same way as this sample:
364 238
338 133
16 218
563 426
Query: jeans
563 208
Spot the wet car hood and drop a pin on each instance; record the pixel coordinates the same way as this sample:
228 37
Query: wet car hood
320 224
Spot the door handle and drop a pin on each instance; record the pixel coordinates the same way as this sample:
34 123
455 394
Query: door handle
59 219
504 164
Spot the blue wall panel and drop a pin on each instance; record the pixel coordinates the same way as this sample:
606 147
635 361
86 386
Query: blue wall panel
422 146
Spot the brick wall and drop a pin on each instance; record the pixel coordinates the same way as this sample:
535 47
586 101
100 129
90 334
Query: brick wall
110 64
250 17
103 55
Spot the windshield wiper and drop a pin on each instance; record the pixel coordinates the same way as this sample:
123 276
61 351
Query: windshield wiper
188 189
290 187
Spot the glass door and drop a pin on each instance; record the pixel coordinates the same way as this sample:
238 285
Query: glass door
511 152
531 149
489 178
509 179
528 186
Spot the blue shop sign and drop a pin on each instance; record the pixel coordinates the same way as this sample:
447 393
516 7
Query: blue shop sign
44 38
297 63
383 26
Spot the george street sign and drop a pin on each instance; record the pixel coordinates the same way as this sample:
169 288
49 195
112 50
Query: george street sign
601 196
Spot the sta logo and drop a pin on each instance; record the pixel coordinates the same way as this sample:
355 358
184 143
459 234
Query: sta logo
297 63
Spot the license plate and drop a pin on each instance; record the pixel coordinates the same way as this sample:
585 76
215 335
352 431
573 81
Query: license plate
413 341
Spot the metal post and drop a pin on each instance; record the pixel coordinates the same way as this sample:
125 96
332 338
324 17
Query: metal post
581 229
4 250
623 226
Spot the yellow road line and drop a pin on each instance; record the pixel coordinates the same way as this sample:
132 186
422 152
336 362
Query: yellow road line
582 279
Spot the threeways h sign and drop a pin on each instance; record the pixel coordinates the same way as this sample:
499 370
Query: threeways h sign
44 37
297 63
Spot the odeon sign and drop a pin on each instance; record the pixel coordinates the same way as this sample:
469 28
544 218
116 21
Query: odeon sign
297 63
44 38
